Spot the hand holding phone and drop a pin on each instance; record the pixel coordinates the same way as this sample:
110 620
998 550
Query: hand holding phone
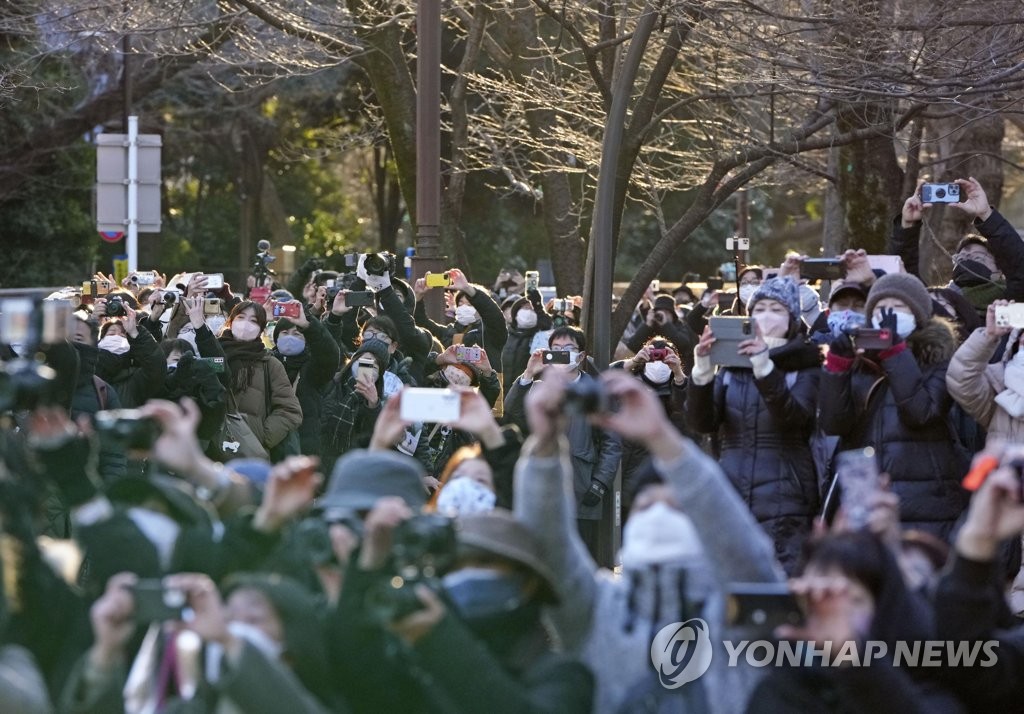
438 280
857 471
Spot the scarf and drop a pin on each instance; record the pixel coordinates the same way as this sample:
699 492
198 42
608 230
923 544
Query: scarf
243 358
981 296
1011 399
292 365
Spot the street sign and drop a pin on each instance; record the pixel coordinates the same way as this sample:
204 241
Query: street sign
112 183
112 236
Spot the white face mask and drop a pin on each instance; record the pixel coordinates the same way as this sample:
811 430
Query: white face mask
216 323
905 323
657 372
526 319
463 497
747 292
465 314
244 330
457 377
114 343
772 324
658 534
190 337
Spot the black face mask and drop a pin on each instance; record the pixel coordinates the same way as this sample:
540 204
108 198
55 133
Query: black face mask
969 273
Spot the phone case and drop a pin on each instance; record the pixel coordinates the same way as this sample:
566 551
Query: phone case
1010 315
436 406
729 333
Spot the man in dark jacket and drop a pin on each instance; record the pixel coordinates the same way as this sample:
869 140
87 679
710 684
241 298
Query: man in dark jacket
987 267
595 453
310 357
482 648
662 319
478 319
129 358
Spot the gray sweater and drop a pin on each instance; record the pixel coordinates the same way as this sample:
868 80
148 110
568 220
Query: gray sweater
599 621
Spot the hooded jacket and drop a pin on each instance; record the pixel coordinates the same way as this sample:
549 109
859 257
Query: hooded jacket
609 621
765 425
900 405
491 326
136 375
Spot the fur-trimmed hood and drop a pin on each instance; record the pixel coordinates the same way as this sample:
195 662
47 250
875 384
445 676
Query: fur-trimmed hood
933 342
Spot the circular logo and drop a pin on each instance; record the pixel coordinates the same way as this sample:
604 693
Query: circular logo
681 652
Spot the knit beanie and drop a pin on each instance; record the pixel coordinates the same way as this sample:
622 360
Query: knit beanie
782 290
377 348
520 302
905 287
282 324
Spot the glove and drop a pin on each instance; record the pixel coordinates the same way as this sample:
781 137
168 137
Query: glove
841 346
889 322
595 494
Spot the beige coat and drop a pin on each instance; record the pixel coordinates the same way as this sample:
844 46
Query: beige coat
285 413
974 383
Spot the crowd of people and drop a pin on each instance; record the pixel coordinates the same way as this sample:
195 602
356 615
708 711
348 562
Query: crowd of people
313 497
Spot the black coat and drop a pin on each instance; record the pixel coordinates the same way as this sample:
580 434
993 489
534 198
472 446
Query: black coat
137 375
901 407
491 327
765 427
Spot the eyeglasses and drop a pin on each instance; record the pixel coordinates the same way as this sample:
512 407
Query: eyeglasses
370 335
755 281
563 348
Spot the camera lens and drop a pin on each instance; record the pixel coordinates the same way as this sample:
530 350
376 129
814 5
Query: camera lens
940 193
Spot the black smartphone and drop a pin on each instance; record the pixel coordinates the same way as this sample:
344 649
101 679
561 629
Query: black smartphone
155 603
359 298
551 357
822 269
761 606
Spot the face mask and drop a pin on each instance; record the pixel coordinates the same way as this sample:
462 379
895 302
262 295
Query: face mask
526 319
114 343
245 331
772 324
657 372
463 497
968 273
845 321
216 323
189 337
457 377
465 314
481 593
747 292
905 323
658 534
291 345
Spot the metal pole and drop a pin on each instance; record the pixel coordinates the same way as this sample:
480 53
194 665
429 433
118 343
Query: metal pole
132 243
428 150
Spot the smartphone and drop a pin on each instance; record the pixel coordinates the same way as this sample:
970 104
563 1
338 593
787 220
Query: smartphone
436 406
216 362
556 357
655 287
155 603
259 294
561 305
532 280
366 367
869 338
438 280
464 353
761 606
822 269
58 321
146 277
359 298
15 320
940 193
211 306
714 283
729 332
857 471
214 281
292 308
1010 315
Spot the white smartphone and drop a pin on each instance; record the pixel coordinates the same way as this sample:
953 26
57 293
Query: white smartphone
214 281
438 406
1010 315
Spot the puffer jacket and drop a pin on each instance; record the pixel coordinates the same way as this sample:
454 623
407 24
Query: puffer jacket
974 383
285 413
765 427
900 405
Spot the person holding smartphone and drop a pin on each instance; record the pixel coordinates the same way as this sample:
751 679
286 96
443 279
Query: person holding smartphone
765 415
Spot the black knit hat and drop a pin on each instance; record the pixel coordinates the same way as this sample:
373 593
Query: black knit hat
283 324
